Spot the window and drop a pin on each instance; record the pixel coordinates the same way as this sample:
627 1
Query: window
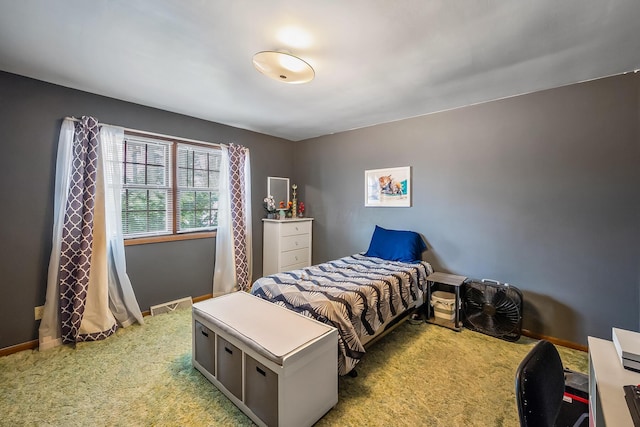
198 171
146 187
169 187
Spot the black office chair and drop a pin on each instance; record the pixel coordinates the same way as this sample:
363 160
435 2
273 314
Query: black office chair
540 386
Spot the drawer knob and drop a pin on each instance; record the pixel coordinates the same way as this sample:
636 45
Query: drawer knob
204 333
297 229
261 372
228 351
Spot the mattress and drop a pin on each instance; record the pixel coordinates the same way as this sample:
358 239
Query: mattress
358 295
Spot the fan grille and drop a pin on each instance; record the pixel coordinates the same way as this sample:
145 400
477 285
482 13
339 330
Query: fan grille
493 309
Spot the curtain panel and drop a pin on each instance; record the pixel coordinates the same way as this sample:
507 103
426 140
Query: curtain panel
233 266
88 290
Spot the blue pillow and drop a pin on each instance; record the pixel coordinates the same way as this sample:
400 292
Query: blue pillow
395 245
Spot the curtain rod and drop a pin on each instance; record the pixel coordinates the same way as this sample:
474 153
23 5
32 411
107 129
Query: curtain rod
144 132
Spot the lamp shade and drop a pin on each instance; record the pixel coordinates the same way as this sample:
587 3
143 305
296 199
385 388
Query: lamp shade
283 67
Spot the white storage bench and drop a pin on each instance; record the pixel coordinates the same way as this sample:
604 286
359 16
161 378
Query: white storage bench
279 367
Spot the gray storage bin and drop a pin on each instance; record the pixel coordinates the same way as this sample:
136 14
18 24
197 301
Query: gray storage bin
279 367
205 347
229 371
261 391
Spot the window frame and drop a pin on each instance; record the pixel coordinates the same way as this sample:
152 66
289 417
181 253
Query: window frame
174 234
191 150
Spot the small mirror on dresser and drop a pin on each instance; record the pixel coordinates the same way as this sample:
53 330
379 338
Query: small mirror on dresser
279 189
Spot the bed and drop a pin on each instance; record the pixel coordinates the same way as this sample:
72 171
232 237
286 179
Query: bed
360 295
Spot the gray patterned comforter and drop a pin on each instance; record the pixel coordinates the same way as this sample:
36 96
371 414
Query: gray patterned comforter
355 294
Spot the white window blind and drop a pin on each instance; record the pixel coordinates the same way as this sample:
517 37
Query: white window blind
198 170
168 186
146 187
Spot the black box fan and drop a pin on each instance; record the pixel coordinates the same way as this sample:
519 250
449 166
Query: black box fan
493 308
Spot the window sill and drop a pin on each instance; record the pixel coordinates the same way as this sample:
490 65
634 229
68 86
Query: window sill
169 238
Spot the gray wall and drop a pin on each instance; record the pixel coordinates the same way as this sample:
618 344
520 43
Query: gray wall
541 191
31 113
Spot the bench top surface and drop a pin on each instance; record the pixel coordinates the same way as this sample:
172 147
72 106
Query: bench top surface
278 330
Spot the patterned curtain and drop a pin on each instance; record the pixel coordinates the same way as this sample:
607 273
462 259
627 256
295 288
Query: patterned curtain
237 180
233 268
77 234
88 291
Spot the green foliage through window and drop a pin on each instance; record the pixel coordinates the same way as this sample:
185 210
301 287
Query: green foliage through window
148 207
198 171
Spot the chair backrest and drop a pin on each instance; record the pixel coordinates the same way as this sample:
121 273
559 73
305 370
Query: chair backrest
540 386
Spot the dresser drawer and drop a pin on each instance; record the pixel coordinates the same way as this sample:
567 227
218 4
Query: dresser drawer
297 266
298 241
299 256
296 227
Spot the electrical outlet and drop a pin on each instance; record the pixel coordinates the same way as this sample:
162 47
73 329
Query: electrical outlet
39 311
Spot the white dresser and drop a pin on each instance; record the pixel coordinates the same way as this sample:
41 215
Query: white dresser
286 245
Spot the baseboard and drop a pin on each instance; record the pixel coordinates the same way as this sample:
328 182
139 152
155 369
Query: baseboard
556 341
31 345
202 298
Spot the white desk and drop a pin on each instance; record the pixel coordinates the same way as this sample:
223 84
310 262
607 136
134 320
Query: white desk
607 405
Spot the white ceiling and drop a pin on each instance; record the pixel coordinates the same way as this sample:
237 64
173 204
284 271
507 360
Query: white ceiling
375 60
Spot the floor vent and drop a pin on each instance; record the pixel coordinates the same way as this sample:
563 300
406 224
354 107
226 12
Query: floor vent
171 306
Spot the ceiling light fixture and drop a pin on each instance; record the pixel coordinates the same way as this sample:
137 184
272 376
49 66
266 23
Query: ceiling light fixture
283 66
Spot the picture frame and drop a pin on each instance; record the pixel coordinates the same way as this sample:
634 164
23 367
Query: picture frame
388 187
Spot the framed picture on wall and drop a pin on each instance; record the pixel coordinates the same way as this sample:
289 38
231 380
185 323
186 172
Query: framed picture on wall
389 187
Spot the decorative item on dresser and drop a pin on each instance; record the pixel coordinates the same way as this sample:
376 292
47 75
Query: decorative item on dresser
270 206
286 245
294 202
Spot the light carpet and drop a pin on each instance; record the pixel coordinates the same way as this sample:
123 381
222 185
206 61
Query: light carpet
419 375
